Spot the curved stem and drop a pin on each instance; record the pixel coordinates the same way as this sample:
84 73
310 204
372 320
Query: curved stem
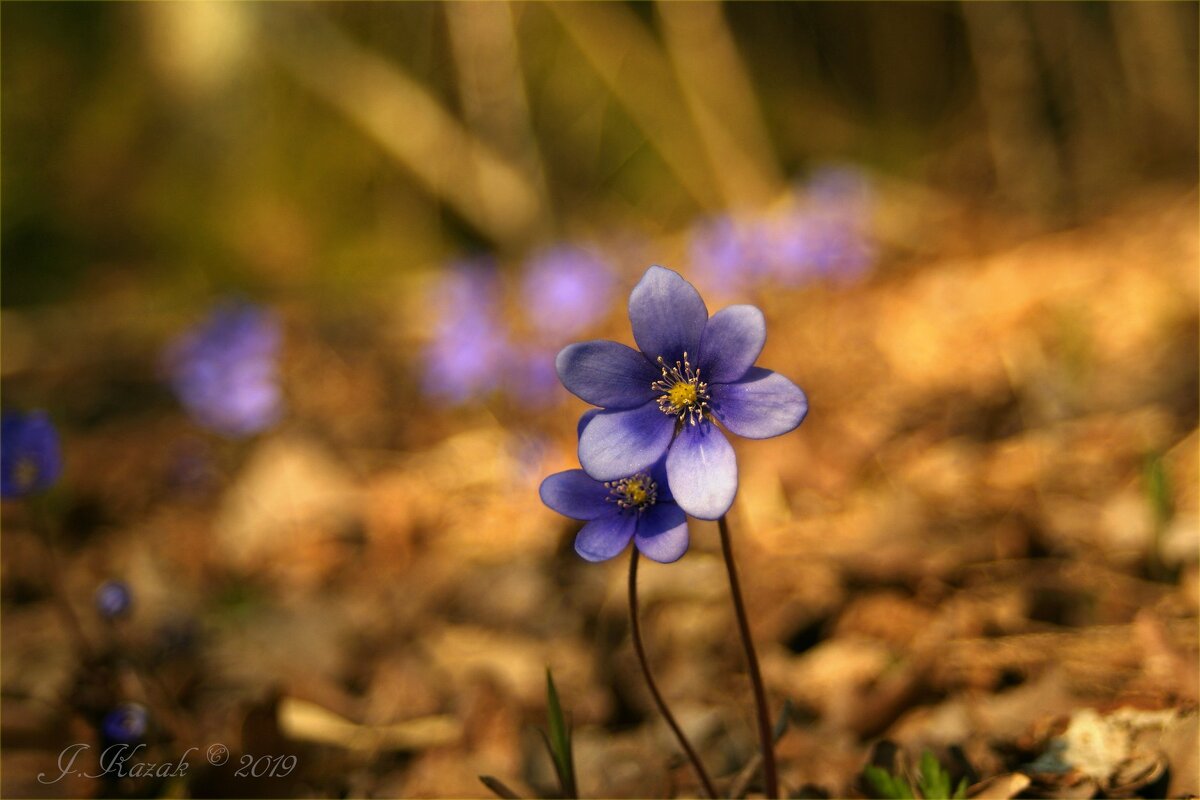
636 628
766 740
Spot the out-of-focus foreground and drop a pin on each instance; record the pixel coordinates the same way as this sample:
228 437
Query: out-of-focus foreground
289 281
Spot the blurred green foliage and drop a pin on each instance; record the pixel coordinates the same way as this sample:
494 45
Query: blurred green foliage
211 146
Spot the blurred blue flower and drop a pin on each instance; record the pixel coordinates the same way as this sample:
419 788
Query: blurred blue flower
728 254
113 599
841 204
225 370
842 187
566 289
693 372
125 724
30 456
469 350
530 378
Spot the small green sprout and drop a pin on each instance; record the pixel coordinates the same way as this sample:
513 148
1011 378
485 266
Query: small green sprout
933 782
558 741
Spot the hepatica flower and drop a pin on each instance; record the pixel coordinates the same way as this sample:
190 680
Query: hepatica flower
30 457
566 289
113 599
127 723
727 253
225 370
466 356
638 507
694 375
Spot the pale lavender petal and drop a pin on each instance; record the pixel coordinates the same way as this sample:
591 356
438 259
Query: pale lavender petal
667 315
603 538
761 405
573 494
584 420
606 374
702 470
732 342
662 533
617 444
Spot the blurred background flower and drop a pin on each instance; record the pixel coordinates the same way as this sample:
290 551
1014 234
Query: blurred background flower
469 349
113 599
30 456
225 370
566 289
126 724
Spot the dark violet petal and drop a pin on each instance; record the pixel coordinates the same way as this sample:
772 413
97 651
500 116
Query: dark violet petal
761 405
584 420
606 374
662 533
702 471
601 539
617 444
658 474
667 315
573 494
732 341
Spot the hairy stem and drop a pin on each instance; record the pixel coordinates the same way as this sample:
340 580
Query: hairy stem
636 628
766 740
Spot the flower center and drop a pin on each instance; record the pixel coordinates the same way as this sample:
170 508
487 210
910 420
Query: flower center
637 492
681 392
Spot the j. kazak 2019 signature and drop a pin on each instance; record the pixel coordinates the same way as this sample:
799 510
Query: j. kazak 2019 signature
129 761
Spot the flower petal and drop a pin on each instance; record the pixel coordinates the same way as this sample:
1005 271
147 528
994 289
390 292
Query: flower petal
606 374
702 471
732 341
662 533
761 405
667 315
584 420
573 494
603 538
617 444
658 474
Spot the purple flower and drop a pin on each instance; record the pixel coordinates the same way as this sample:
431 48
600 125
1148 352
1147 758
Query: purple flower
693 372
127 723
466 356
113 599
566 289
727 254
530 379
30 457
637 507
225 370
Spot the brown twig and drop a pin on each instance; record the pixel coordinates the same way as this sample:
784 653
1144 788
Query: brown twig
766 740
636 630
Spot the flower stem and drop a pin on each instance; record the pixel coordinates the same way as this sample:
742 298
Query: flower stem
766 740
636 628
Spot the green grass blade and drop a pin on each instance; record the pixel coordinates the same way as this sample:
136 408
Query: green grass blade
559 740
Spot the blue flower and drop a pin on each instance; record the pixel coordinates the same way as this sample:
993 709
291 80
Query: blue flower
127 723
530 379
566 289
728 254
638 507
113 599
30 457
693 372
225 370
466 357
